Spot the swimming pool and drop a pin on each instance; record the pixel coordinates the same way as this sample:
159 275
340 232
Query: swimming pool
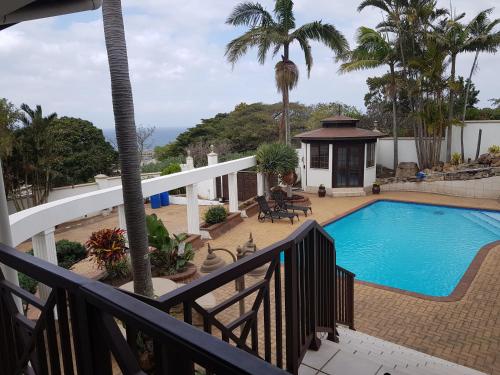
415 247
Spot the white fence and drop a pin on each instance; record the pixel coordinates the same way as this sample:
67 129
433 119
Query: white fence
408 153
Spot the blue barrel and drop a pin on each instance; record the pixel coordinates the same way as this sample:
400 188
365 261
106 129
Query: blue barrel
165 198
155 201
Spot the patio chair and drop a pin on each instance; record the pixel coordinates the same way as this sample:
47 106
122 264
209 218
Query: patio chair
266 212
282 205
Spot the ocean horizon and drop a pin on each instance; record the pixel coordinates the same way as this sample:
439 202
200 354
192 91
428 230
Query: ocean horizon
161 136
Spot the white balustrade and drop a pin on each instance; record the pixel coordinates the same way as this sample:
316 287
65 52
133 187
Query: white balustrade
44 247
232 179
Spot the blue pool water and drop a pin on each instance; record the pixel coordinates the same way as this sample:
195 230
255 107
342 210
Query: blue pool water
420 248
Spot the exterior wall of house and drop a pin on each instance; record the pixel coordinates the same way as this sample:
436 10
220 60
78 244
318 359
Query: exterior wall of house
315 176
371 172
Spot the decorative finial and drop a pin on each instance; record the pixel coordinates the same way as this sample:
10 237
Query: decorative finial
212 148
188 151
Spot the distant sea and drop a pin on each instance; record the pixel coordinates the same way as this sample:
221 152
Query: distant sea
161 136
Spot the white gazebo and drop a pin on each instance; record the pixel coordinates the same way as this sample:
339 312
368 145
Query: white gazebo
340 156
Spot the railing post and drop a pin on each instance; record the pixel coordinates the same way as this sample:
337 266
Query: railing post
212 158
232 179
291 309
44 247
314 279
193 211
260 184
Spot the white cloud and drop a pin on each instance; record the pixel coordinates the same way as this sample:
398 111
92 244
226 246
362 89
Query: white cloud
177 65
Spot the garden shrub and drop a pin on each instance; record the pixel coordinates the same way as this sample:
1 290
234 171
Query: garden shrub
456 158
494 149
170 169
27 283
168 255
69 253
215 215
121 269
109 248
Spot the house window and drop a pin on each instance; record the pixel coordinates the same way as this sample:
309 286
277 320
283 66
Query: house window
320 153
370 155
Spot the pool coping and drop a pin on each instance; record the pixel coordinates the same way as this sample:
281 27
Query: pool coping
465 281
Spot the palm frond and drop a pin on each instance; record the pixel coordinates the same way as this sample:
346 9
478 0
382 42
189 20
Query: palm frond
306 48
380 4
322 32
283 11
250 14
262 37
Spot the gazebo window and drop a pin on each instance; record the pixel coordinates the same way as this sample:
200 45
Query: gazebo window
370 154
320 153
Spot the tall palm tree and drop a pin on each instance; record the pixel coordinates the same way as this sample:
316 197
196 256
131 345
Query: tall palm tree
482 38
126 137
452 35
278 34
374 50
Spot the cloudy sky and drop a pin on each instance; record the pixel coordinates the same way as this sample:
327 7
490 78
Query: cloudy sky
176 51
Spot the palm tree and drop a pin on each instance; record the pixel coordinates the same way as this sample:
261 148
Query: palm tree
452 36
278 34
374 50
482 38
123 108
35 149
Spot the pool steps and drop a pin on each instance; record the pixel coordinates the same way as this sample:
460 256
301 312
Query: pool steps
485 220
359 353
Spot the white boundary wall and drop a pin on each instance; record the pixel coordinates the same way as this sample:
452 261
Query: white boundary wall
480 188
407 151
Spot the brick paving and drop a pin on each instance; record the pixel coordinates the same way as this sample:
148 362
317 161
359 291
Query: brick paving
466 331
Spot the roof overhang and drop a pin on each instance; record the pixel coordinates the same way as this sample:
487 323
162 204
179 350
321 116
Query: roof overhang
15 11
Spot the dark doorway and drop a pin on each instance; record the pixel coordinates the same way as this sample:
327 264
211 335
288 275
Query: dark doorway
348 164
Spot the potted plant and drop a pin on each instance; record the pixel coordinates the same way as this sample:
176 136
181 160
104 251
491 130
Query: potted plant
277 159
109 249
321 191
376 188
170 256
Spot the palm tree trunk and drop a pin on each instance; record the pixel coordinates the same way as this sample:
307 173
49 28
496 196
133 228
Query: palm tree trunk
394 118
467 88
123 108
450 110
285 126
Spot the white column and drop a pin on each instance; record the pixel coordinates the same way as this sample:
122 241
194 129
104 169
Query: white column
44 247
212 159
232 179
122 221
260 184
193 211
10 274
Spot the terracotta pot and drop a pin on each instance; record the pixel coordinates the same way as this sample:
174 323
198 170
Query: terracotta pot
376 189
321 191
290 178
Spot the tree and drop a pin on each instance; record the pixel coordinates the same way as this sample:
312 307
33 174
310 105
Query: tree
126 136
144 135
482 38
275 159
374 50
9 116
278 34
82 151
33 158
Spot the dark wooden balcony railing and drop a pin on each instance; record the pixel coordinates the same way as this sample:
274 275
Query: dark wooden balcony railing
294 300
86 327
344 289
79 330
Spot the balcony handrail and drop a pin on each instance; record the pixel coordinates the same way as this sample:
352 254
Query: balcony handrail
98 301
27 223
